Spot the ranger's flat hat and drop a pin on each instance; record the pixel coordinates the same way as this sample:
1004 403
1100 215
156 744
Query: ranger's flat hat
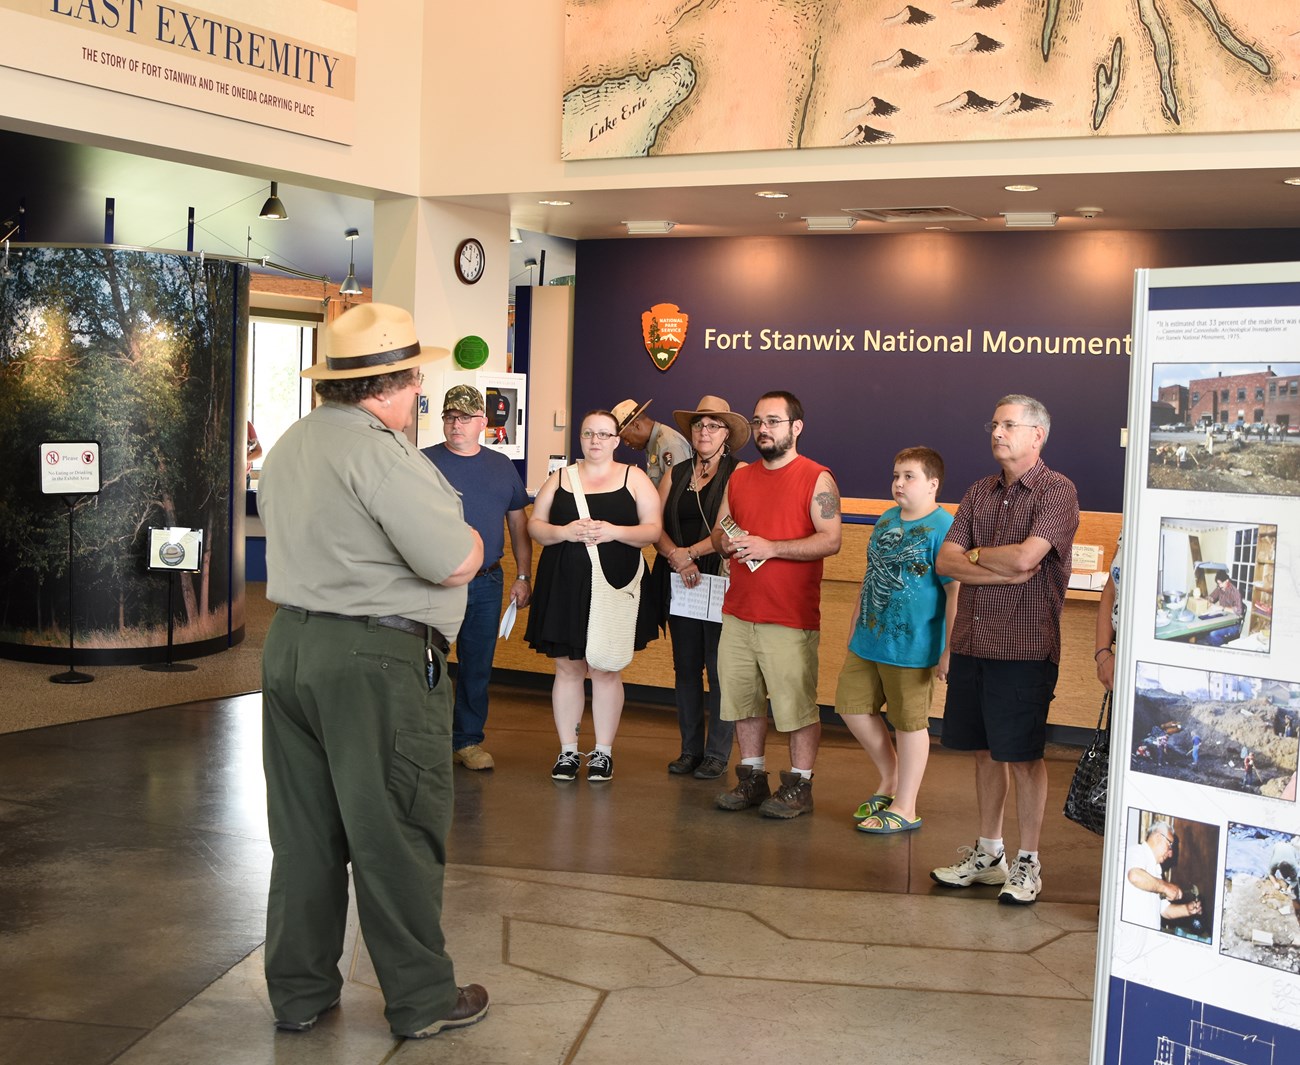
626 412
368 340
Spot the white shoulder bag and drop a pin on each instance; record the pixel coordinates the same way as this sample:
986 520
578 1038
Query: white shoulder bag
611 618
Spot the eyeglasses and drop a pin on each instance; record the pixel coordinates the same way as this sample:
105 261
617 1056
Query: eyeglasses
708 427
1008 426
597 434
769 422
459 419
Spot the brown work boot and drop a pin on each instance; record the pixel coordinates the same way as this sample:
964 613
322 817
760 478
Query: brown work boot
471 1006
473 757
792 798
750 790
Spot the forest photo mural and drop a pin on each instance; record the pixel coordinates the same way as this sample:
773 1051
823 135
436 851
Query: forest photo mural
143 353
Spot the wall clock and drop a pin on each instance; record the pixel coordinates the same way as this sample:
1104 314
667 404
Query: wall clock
470 261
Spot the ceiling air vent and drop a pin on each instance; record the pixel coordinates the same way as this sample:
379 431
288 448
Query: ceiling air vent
911 214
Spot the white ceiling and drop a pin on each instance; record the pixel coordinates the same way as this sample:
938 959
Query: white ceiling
1209 199
64 187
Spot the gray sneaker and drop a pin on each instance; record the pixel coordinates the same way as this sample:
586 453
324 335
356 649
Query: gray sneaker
750 790
1024 883
976 867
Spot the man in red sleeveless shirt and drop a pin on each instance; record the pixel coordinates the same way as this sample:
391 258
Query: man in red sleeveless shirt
779 518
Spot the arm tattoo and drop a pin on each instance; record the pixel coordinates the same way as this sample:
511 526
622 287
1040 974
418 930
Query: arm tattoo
829 501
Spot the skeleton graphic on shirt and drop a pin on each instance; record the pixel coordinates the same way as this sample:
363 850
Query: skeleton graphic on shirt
896 555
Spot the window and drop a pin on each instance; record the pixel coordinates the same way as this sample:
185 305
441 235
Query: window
1224 395
1244 549
1293 388
278 350
1241 394
1259 392
1196 397
1272 389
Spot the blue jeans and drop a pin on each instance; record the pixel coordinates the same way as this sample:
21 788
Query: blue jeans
695 652
475 646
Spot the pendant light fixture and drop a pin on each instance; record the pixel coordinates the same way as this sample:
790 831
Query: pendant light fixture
350 286
273 208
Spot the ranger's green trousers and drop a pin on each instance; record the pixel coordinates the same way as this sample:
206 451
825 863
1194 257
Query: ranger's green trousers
357 753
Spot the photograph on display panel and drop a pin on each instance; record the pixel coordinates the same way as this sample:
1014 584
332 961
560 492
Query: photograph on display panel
1216 583
1225 427
1261 897
1216 729
1170 874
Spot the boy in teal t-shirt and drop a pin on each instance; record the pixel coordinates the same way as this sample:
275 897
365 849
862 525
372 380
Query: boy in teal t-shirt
899 641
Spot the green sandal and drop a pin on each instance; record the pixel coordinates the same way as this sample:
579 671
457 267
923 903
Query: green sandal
873 805
888 822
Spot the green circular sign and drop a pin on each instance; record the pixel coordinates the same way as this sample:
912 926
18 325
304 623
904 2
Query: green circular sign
470 352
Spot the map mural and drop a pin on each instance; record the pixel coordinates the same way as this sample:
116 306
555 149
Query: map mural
674 77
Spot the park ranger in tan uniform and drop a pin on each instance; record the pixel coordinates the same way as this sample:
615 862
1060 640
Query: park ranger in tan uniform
367 558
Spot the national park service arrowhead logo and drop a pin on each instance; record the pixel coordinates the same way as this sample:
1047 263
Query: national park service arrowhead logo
663 328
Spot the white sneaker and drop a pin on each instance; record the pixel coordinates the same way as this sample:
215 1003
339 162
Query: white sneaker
975 867
1024 884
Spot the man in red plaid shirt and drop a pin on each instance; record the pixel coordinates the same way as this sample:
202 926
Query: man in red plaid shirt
1009 546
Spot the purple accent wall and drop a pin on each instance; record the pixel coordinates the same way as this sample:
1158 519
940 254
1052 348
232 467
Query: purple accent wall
863 406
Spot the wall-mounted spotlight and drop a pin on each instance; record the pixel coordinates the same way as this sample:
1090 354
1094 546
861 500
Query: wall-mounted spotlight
273 208
350 286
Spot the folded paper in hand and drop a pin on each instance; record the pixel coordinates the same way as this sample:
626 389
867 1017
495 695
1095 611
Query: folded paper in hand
734 531
508 620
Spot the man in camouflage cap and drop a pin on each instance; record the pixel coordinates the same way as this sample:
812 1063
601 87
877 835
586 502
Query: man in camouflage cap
493 497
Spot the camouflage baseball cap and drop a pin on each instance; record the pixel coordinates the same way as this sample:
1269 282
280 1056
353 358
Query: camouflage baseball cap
464 398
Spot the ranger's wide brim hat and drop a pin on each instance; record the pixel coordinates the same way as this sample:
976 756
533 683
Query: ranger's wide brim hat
368 340
626 412
737 424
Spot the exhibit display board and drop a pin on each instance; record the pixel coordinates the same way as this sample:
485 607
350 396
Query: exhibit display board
1199 953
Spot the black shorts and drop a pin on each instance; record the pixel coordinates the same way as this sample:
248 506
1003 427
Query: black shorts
998 706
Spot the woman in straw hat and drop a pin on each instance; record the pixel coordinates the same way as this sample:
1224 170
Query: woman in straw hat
367 558
624 518
690 499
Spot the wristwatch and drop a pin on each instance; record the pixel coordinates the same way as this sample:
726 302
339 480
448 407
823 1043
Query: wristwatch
974 556
523 577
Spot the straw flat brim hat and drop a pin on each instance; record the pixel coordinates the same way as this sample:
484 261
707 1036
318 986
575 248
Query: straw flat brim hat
737 424
368 340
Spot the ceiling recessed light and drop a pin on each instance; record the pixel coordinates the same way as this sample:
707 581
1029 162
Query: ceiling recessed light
556 203
1021 188
772 194
1291 181
939 229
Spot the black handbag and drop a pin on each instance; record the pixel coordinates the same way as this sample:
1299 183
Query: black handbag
1086 802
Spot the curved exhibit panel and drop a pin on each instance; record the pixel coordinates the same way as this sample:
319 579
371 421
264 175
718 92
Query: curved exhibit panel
144 355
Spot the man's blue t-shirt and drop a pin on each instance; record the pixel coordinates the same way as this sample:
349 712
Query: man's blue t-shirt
901 608
489 486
